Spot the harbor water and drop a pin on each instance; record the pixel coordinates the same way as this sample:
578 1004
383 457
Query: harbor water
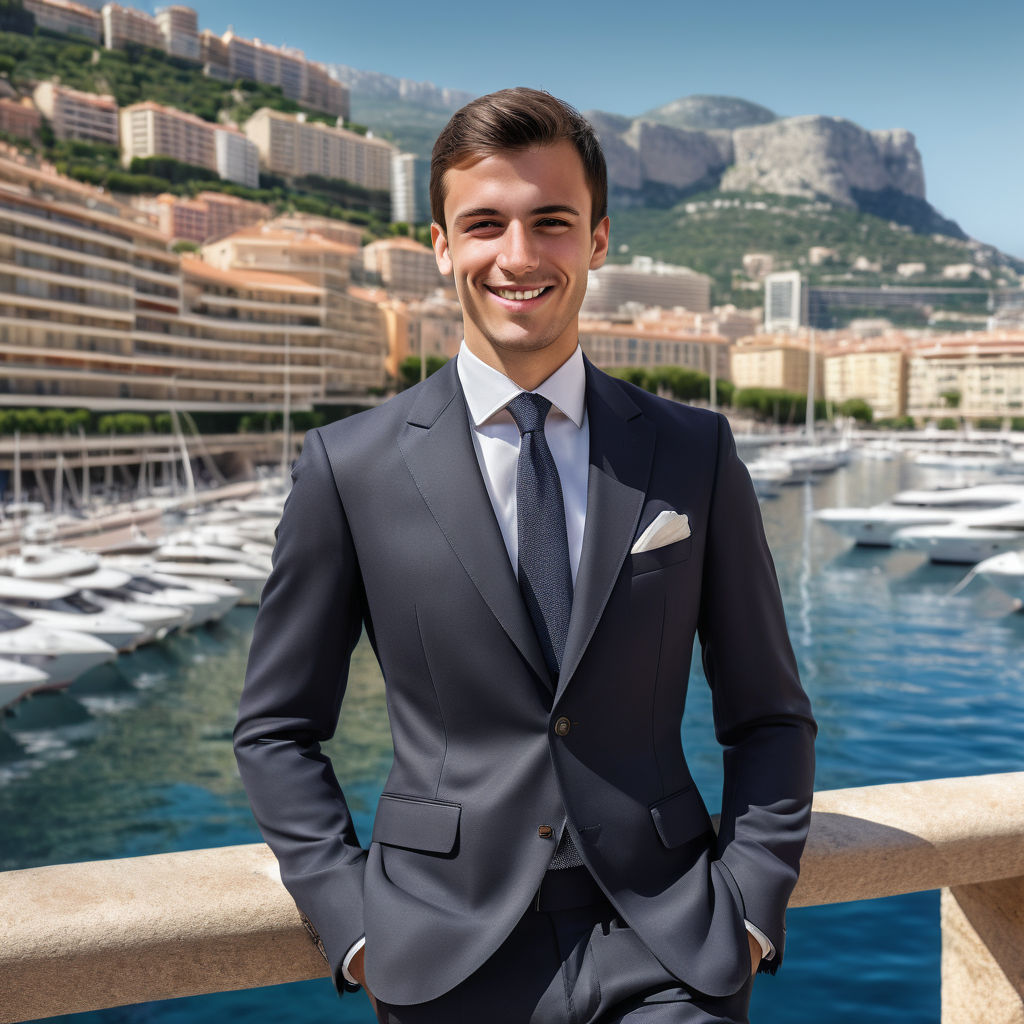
908 681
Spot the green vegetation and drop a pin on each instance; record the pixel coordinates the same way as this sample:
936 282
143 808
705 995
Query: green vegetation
778 406
679 382
711 232
895 423
409 369
857 409
138 73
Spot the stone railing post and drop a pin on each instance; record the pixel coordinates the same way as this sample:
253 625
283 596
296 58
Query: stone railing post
983 953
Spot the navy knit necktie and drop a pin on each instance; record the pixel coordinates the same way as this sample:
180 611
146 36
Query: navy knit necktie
545 578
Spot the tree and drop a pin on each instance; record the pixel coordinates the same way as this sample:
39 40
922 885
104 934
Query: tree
951 399
409 371
857 409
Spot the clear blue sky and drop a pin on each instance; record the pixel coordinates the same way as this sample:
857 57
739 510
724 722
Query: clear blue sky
950 73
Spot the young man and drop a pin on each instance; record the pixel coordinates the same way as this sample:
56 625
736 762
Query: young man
532 547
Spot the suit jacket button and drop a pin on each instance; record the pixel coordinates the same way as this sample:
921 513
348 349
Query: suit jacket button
545 831
562 726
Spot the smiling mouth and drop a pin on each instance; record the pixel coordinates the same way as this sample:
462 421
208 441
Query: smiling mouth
518 294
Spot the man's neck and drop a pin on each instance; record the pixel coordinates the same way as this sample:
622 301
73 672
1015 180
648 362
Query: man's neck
528 370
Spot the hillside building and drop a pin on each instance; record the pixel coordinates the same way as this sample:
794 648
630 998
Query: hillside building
19 118
785 301
149 129
208 215
406 269
88 116
289 144
67 18
231 56
179 26
645 283
354 344
405 204
127 26
237 157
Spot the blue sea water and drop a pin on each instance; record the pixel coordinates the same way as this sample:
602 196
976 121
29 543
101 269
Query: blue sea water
907 681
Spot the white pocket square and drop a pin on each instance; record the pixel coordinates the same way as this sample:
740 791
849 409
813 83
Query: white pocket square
667 528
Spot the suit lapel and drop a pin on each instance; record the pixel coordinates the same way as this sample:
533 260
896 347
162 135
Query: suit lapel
438 450
621 452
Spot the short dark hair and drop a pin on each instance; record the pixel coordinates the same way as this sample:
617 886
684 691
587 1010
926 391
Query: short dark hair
515 119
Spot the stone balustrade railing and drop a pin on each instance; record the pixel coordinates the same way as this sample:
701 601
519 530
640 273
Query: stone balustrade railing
77 937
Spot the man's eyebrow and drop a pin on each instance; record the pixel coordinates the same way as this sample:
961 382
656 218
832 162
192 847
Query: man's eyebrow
540 211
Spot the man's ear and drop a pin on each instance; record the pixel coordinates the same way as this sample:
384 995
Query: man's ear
600 240
440 243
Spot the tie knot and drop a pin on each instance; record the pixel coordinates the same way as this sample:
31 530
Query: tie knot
529 411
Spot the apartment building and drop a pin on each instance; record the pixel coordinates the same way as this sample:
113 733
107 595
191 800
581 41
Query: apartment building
785 301
206 216
405 202
76 270
325 227
66 17
428 328
149 129
95 310
179 26
874 370
973 375
407 269
773 361
610 345
231 56
237 157
645 282
88 116
127 26
19 118
354 345
289 144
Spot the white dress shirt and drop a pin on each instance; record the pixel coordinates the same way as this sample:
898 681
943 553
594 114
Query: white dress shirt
496 442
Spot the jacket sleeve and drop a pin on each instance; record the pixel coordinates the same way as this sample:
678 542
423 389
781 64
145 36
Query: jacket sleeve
762 715
309 620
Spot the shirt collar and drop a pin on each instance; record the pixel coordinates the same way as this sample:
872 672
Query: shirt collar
488 390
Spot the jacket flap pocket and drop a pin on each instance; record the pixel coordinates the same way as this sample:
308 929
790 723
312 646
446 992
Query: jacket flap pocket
416 823
681 817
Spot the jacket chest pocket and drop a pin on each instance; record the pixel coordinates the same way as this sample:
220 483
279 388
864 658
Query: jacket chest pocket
659 558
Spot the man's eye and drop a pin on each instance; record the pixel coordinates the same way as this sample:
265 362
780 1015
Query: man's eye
553 222
479 225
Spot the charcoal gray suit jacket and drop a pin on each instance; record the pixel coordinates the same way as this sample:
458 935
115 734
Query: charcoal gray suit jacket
389 528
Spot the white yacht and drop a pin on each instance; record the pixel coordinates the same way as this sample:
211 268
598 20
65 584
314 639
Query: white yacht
61 654
62 607
875 526
17 681
969 538
152 573
1005 571
109 588
768 475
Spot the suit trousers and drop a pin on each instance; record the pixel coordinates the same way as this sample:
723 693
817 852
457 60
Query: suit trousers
572 960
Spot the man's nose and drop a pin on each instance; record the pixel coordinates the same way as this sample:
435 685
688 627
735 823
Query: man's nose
518 254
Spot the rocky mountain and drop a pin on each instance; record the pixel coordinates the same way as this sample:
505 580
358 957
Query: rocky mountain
661 157
378 86
704 113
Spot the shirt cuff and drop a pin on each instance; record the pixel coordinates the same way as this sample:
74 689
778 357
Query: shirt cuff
353 949
767 949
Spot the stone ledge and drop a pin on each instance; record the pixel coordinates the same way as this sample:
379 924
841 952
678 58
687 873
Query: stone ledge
106 933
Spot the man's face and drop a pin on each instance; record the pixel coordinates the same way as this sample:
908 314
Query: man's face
519 244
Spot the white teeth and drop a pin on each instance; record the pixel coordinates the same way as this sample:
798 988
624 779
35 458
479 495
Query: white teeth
516 296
